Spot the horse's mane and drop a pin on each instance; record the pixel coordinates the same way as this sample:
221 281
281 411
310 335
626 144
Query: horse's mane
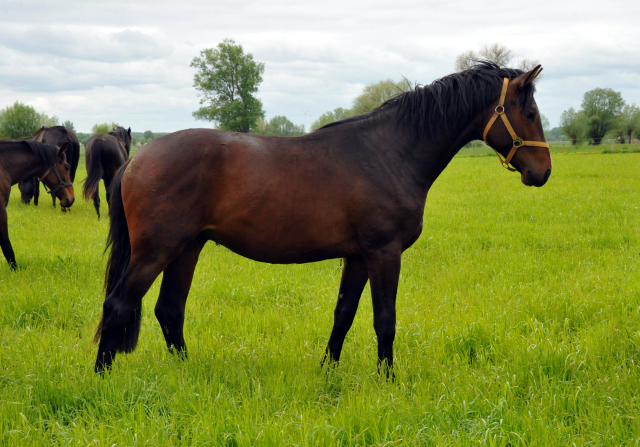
451 100
46 153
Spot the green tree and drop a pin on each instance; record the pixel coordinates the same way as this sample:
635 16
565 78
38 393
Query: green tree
331 116
19 121
572 125
148 135
103 128
68 124
280 126
601 108
546 127
373 95
629 121
227 80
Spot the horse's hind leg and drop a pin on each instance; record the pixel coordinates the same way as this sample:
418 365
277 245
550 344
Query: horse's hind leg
120 323
96 200
354 278
176 282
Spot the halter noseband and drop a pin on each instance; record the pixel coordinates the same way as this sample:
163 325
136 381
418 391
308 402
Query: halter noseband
517 141
62 183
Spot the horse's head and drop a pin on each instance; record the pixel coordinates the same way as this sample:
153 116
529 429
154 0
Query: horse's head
514 129
124 135
58 180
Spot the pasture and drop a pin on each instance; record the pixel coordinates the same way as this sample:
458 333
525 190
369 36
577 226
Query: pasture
518 324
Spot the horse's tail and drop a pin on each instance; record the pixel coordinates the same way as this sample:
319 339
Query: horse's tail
74 155
118 261
94 170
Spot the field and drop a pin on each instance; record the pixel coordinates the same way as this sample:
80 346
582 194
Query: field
518 324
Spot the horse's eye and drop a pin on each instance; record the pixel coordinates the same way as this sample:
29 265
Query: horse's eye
531 116
67 166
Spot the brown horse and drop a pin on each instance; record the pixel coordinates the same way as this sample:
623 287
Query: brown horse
20 160
354 189
56 136
104 154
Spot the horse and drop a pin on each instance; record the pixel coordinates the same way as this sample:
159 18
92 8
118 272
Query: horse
354 189
104 154
56 136
20 160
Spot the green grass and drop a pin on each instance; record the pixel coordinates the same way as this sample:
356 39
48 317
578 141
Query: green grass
518 324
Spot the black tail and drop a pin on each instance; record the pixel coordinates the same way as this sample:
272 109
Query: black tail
74 151
118 262
94 171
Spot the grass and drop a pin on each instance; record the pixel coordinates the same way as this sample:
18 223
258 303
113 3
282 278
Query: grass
518 324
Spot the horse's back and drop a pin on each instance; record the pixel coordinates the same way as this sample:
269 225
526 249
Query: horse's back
247 192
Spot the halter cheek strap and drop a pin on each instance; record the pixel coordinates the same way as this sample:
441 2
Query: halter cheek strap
62 183
517 141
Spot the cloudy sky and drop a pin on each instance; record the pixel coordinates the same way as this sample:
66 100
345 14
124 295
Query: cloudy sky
128 61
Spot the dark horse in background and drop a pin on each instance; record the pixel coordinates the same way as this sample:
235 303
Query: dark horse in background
354 189
20 160
103 155
56 136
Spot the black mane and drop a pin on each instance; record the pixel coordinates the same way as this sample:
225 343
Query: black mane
46 153
450 101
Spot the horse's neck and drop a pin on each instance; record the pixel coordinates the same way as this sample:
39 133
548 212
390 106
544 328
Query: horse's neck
20 163
422 160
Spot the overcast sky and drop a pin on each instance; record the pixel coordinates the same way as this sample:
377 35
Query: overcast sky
128 61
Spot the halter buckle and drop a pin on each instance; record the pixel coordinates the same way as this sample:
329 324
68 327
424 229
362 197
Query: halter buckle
501 111
517 142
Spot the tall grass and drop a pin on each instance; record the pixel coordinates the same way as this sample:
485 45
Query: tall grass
518 324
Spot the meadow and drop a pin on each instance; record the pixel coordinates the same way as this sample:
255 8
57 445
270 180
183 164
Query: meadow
518 325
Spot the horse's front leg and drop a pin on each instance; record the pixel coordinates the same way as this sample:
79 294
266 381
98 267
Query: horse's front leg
354 278
383 267
5 244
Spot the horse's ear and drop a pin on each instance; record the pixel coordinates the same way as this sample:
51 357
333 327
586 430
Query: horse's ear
129 131
63 148
531 76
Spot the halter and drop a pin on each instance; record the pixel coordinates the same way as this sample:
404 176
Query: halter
61 185
517 141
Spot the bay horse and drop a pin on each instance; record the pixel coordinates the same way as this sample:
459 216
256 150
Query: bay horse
56 136
104 154
24 159
354 189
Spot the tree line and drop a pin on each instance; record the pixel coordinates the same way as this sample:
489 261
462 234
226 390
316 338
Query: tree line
603 112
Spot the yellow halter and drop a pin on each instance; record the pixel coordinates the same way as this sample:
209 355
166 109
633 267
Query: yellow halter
517 141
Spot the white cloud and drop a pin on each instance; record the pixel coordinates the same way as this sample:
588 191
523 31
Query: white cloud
129 61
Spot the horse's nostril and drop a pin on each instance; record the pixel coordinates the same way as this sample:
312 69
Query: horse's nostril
547 175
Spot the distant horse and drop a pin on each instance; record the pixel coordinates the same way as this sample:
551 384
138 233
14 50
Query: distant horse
57 136
354 189
104 154
20 160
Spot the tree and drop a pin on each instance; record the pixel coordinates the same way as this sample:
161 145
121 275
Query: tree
601 108
68 124
47 121
330 117
497 53
104 128
280 126
148 135
19 121
546 127
629 122
375 94
227 80
572 125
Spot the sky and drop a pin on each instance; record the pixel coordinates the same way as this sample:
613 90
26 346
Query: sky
129 61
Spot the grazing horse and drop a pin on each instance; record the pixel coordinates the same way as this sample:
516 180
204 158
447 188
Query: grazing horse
104 154
21 160
56 136
354 189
